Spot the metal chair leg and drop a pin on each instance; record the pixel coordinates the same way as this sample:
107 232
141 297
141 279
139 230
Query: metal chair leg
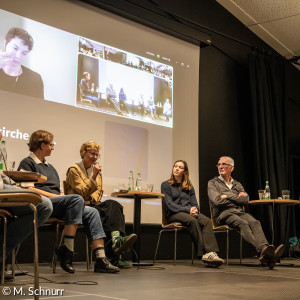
3 249
241 248
227 247
36 251
56 245
87 253
193 248
156 247
91 258
13 260
175 247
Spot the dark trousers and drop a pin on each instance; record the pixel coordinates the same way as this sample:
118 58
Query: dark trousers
113 219
249 227
201 231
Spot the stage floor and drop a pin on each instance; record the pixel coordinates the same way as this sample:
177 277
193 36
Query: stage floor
164 281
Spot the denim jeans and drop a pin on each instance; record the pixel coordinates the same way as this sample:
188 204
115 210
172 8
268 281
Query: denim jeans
72 210
92 224
68 207
22 227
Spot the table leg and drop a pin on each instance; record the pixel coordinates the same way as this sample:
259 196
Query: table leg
137 226
36 257
137 231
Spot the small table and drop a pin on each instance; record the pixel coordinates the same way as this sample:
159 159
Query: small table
137 196
273 202
25 176
14 198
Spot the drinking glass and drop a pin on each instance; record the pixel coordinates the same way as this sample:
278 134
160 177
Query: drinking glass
285 194
261 194
149 187
10 165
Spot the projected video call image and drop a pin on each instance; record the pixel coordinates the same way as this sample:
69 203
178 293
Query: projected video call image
107 80
14 77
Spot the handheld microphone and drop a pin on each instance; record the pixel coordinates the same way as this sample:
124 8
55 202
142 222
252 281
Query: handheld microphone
96 163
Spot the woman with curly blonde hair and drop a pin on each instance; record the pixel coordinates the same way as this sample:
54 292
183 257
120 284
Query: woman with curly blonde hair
85 178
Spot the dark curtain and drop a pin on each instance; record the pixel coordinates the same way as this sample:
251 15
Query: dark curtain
270 144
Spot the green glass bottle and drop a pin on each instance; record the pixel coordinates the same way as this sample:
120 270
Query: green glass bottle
267 191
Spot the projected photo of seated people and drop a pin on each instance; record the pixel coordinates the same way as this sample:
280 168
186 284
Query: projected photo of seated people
112 98
151 107
122 100
87 89
167 109
15 77
141 104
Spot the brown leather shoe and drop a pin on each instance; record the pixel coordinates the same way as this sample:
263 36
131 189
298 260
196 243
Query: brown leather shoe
279 251
267 254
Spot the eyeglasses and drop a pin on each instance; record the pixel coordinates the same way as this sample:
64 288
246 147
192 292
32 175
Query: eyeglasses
52 145
94 154
223 164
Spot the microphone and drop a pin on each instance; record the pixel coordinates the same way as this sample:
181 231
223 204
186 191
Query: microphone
96 163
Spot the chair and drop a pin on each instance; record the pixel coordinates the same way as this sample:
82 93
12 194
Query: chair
14 198
225 228
104 100
4 215
82 98
169 227
58 223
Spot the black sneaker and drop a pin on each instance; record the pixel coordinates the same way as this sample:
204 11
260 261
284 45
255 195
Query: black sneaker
65 257
123 243
102 265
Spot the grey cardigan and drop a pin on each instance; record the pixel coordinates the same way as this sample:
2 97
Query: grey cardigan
217 188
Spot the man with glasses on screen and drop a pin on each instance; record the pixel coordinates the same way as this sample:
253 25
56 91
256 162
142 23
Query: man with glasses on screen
14 77
87 89
70 208
227 197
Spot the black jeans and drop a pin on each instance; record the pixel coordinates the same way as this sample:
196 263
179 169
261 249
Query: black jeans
113 219
201 231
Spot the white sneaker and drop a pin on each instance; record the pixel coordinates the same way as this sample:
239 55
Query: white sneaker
212 259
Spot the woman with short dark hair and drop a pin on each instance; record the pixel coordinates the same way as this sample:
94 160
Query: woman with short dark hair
14 77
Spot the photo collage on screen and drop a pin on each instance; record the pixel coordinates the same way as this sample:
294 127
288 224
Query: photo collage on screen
116 82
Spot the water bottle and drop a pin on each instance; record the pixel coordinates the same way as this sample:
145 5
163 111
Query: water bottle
3 156
267 191
138 185
131 182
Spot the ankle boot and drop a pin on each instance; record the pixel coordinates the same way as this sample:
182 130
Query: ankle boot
102 265
65 258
